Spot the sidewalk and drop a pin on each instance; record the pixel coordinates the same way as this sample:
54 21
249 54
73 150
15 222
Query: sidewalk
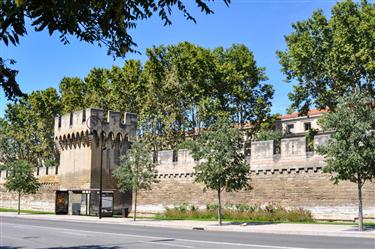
272 228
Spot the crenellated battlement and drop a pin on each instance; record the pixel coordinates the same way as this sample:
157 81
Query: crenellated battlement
291 157
91 139
81 127
44 174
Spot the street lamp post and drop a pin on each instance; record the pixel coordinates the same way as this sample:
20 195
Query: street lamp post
102 149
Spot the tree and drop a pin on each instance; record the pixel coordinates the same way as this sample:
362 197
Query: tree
188 87
350 152
331 57
27 129
103 22
72 92
222 165
246 98
136 172
21 179
126 87
8 146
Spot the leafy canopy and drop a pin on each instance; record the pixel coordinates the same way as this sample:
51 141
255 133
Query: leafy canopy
331 57
102 22
21 178
350 153
182 87
137 170
221 164
26 132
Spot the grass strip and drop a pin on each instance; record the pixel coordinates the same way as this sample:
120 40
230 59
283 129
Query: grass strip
25 211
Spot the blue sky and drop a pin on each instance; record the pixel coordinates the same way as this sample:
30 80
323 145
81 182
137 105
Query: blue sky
260 24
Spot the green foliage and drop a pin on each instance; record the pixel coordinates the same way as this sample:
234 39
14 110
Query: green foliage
180 88
72 91
221 164
21 178
25 211
350 153
331 57
102 22
137 170
8 145
264 135
310 146
239 212
27 129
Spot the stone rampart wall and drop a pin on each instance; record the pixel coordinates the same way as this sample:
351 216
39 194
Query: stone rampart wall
293 178
43 200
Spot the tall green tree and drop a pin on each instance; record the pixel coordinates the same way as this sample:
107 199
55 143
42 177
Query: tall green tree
28 128
45 105
97 89
189 87
221 164
72 92
245 97
330 57
9 147
137 171
350 153
21 179
102 22
127 87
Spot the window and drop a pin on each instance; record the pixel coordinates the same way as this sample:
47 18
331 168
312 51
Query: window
307 126
290 128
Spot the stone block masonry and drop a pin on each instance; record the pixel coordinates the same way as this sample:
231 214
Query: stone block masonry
293 178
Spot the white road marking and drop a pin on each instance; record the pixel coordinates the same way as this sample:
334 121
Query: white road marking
164 238
167 244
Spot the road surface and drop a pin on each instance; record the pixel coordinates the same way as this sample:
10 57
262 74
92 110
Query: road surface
31 233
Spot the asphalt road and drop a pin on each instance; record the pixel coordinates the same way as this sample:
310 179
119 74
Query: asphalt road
31 233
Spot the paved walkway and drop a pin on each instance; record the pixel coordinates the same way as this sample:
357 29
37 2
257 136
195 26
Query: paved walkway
276 228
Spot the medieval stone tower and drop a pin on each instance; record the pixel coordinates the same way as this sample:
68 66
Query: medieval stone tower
88 142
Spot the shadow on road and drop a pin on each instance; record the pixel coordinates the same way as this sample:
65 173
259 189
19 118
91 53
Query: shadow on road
247 223
365 228
85 247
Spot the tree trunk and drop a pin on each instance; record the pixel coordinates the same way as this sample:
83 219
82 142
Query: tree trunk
135 205
219 207
19 202
193 121
360 209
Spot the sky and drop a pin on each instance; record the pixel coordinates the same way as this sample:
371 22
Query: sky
261 25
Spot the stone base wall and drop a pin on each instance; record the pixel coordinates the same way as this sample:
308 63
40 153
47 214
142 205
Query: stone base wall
43 200
310 189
